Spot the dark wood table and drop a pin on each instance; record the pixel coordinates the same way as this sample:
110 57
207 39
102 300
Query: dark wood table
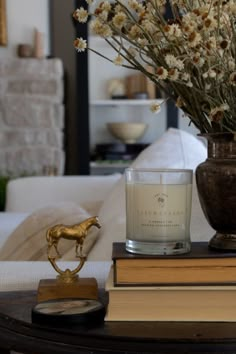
19 334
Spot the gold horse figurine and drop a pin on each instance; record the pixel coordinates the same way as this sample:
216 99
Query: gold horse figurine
68 284
76 232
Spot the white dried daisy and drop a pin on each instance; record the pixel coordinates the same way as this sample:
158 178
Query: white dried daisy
81 15
132 51
134 32
142 42
149 26
133 4
174 31
232 8
173 74
212 73
231 64
198 59
118 60
155 107
225 107
100 29
179 102
173 62
106 6
216 114
162 73
210 23
194 39
119 19
189 83
80 44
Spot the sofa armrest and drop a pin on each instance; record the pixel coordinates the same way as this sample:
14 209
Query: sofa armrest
27 194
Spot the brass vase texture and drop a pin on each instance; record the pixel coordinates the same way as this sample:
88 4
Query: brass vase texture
216 184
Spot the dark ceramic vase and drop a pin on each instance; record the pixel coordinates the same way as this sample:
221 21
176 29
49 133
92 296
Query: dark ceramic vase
216 184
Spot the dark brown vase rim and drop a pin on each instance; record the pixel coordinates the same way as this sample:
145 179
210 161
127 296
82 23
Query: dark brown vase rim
227 136
217 134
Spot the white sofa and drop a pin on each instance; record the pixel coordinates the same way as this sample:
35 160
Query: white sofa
28 195
100 195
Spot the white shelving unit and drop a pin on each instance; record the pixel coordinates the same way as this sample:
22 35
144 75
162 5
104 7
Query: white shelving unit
124 102
104 110
105 168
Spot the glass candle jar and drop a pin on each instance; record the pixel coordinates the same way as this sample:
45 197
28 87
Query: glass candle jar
158 211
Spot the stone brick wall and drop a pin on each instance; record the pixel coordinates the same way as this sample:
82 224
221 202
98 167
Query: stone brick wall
31 116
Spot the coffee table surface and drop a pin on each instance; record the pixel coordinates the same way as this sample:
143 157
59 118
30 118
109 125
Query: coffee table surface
18 333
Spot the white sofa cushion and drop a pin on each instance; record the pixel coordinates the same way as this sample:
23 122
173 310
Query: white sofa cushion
27 194
28 241
175 149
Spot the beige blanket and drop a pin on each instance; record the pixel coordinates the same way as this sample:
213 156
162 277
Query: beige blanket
28 241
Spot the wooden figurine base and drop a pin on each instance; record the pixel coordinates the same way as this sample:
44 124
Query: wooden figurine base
49 289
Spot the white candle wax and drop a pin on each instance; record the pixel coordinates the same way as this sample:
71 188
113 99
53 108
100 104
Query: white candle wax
158 211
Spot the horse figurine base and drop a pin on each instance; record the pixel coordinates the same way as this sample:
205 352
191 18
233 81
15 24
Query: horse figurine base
83 288
68 284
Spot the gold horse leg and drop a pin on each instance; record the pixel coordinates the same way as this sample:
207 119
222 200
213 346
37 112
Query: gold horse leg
76 250
80 246
81 249
56 249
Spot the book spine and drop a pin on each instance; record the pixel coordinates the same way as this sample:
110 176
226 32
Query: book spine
177 305
191 275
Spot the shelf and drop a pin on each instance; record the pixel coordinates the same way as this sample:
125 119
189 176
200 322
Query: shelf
125 102
110 164
108 167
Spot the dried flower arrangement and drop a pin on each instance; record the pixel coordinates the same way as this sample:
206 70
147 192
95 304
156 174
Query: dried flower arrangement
192 54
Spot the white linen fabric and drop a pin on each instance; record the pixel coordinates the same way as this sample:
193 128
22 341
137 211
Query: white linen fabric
175 149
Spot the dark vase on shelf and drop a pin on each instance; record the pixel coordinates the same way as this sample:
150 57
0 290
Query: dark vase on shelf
216 184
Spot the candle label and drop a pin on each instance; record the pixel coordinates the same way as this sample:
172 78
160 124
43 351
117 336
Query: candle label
158 210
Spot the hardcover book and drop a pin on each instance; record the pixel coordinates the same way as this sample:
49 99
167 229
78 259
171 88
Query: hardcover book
170 303
200 266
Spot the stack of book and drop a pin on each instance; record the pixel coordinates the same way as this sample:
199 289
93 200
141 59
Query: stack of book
197 286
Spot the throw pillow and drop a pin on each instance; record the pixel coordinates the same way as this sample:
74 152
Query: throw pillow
28 241
175 149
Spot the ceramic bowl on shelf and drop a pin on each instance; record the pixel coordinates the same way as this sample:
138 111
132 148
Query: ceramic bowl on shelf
127 132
